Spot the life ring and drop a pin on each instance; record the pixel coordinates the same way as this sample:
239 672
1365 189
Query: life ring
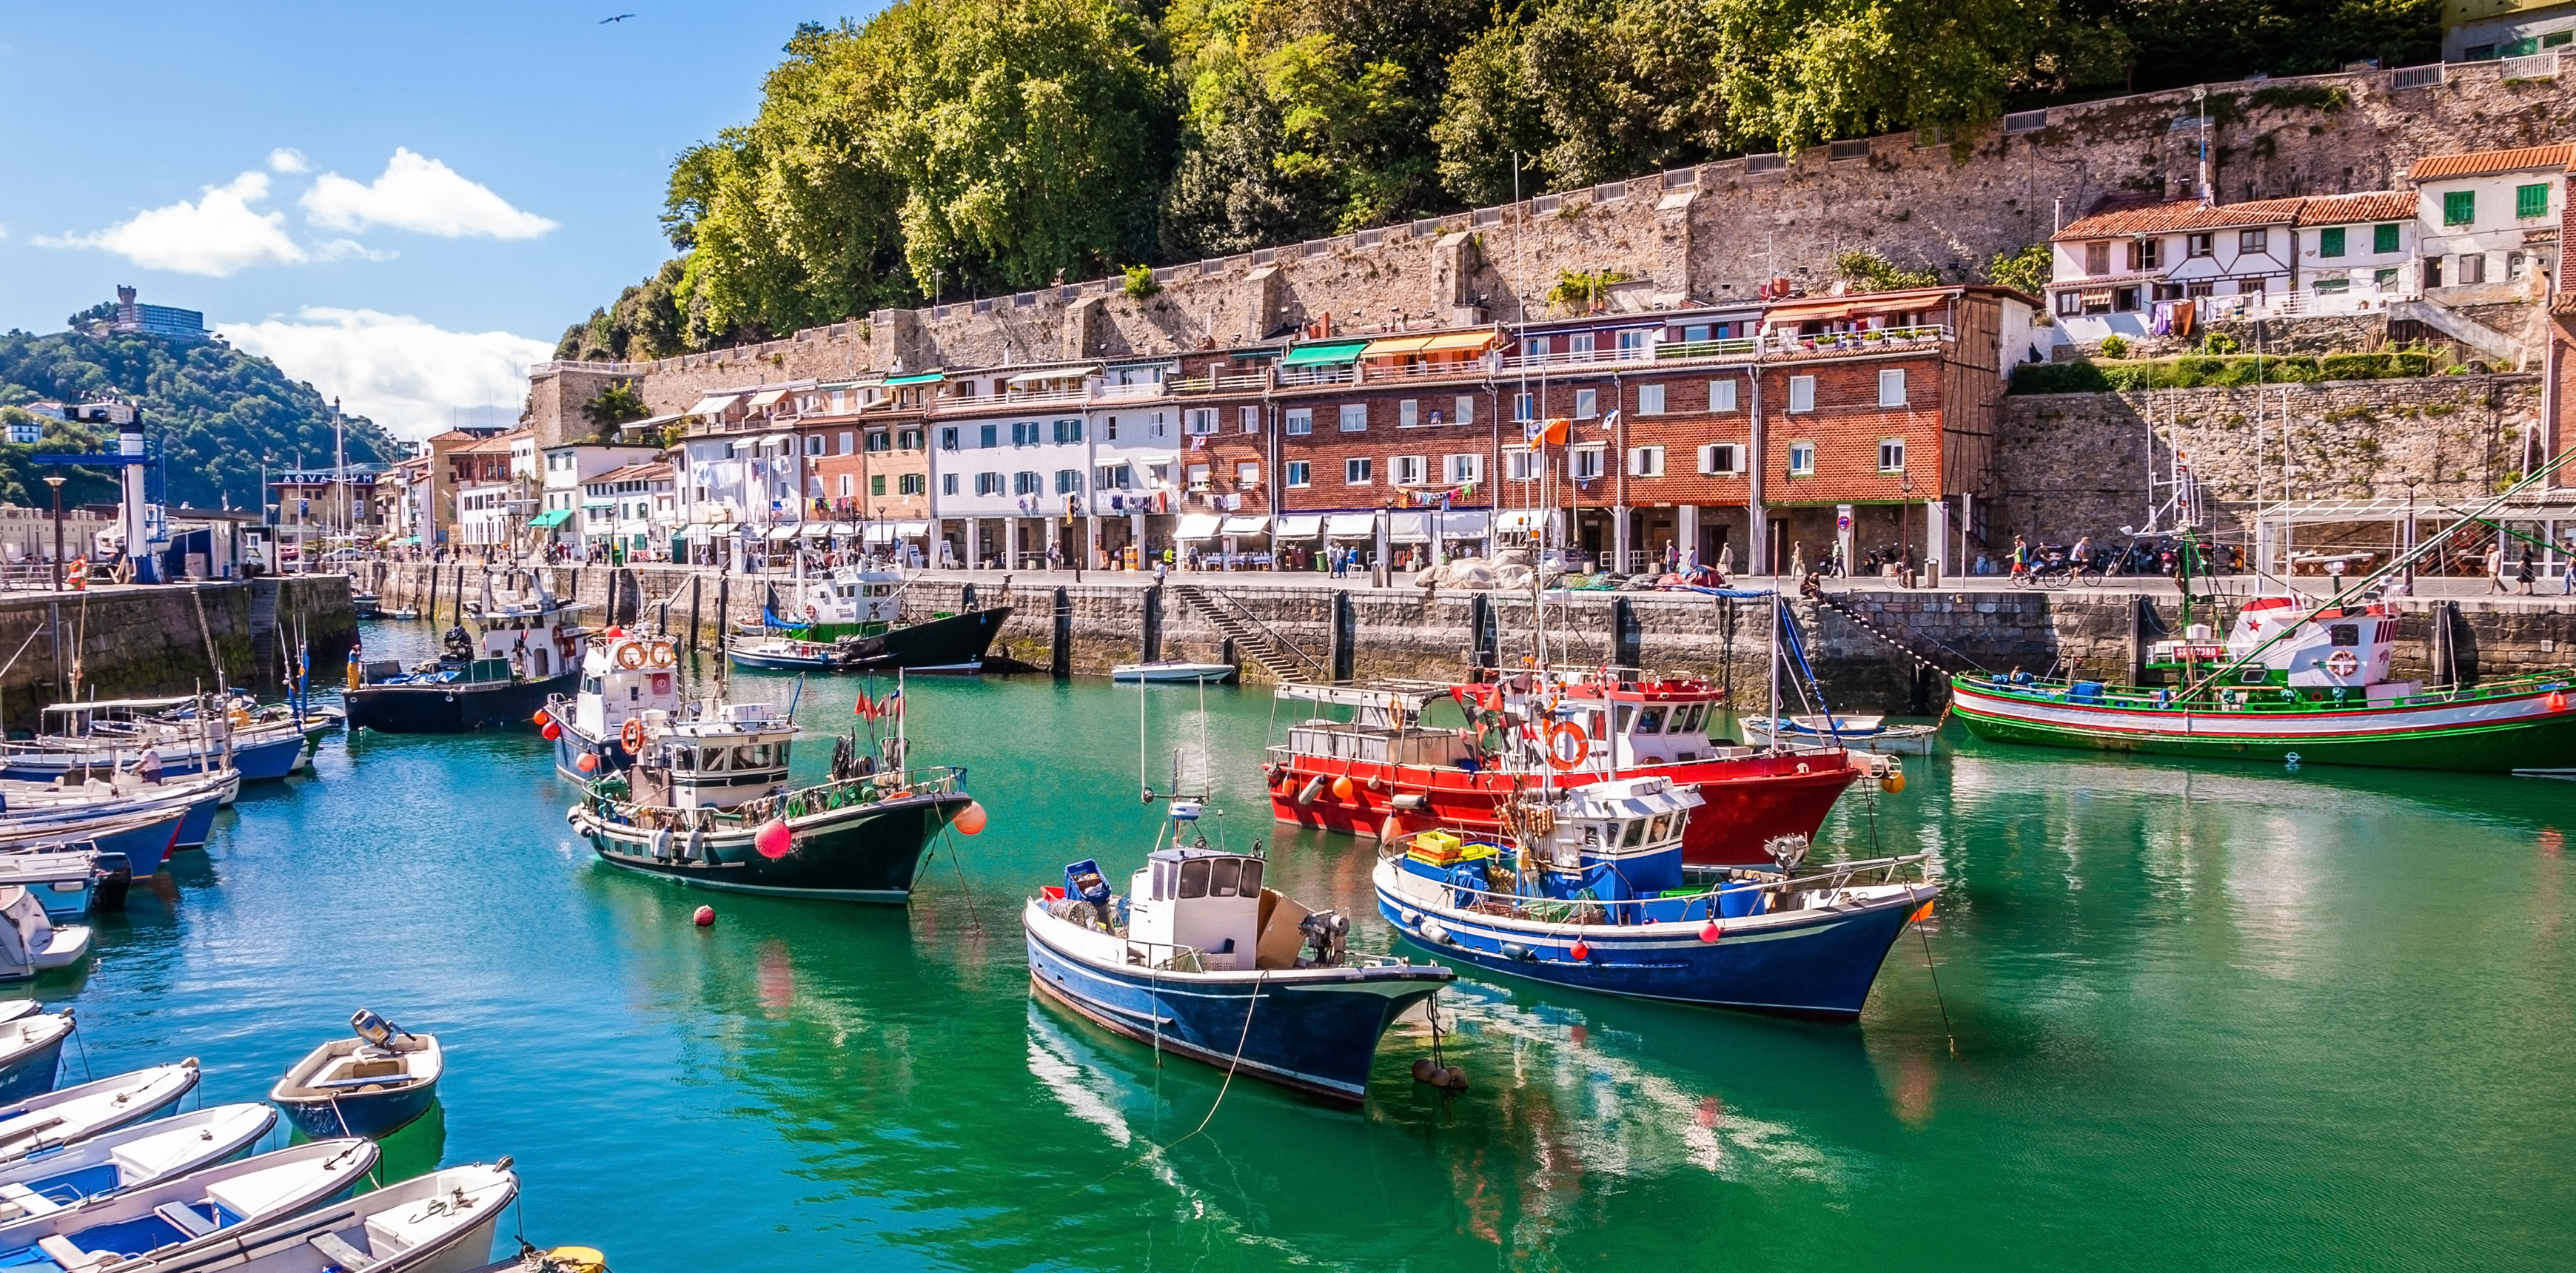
632 736
665 654
812 614
1556 736
630 655
569 645
2343 663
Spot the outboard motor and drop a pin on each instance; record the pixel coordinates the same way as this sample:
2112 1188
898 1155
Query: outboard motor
1325 933
459 644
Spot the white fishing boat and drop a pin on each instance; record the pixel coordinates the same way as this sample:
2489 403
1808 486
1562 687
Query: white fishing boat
375 1081
73 1114
1848 733
1168 670
60 877
130 1158
30 943
442 1222
31 1047
175 1218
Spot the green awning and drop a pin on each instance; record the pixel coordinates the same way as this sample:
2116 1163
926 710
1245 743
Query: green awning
1335 354
923 378
550 520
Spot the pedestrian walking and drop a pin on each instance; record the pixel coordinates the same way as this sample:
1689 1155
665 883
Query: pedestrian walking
2495 566
2526 572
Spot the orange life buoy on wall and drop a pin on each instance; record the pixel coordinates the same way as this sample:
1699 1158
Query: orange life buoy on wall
632 736
630 655
1556 736
665 654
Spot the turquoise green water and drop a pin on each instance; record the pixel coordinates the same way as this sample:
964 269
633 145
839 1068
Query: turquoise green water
2219 1019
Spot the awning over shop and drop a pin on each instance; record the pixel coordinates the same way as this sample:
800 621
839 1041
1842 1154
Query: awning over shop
1408 528
912 530
1525 521
1351 526
1199 525
1474 342
917 378
550 519
1299 526
881 533
1394 345
1051 373
1330 354
694 534
786 439
1462 524
712 405
1246 525
816 530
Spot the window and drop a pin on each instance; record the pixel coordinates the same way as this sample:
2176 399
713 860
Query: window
1632 343
2097 258
1650 399
847 442
2459 207
1112 435
988 436
1024 433
948 440
947 483
2330 241
1068 430
988 483
2473 268
1247 473
1355 417
2331 286
2124 299
1117 477
1154 425
1300 473
1405 470
1068 481
1356 471
911 440
913 484
1541 346
1520 464
1891 387
1802 459
814 444
879 440
1462 469
1408 413
1584 463
1466 412
1721 395
1802 393
2257 239
2383 239
876 484
2530 201
1891 455
1721 459
1579 343
1198 476
2196 245
1199 422
1249 418
2146 254
1301 421
1645 461
1524 406
2384 277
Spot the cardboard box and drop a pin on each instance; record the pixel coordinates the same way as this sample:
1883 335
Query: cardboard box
1280 939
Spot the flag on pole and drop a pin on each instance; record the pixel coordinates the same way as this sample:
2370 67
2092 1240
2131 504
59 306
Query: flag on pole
866 707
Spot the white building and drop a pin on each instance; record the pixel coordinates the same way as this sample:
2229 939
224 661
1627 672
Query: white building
632 508
486 519
2357 249
2491 218
566 469
1010 457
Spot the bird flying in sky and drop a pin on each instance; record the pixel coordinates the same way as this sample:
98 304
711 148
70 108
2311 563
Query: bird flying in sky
619 18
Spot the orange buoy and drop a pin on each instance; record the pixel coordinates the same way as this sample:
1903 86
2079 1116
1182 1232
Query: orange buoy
1582 949
1342 787
2557 700
1894 782
1388 830
542 717
1711 932
551 732
587 762
970 820
1921 913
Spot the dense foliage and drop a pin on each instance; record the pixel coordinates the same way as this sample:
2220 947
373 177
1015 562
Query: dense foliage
951 148
2197 371
215 413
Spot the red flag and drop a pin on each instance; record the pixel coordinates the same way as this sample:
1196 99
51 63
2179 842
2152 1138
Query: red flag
864 706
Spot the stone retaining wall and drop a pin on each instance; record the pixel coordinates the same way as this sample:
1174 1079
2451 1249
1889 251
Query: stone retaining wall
169 639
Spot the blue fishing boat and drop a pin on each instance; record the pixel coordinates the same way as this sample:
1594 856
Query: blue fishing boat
31 1054
374 1082
203 1210
1200 959
189 735
62 878
1593 894
128 1158
39 1125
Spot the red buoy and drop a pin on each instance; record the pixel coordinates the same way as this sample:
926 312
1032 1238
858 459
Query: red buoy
970 820
1711 932
705 918
774 839
543 718
552 731
587 762
1581 950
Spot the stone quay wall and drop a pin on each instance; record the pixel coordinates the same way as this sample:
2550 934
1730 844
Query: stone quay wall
167 639
1853 643
1703 234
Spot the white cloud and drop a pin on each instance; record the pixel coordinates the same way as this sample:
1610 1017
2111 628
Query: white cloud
405 373
287 159
421 194
218 235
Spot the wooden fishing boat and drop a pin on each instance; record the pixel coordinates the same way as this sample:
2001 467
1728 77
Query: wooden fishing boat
1592 893
139 838
372 1083
1174 670
1200 959
783 654
75 803
30 942
441 1222
31 1051
528 651
36 1125
199 1212
129 1158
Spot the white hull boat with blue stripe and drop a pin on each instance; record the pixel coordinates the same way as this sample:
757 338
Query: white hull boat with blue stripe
196 1212
130 1158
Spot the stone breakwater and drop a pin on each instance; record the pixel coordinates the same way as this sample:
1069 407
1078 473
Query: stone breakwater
170 639
1853 638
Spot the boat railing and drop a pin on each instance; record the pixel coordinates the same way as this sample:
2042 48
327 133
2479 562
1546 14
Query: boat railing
1830 878
941 780
2266 696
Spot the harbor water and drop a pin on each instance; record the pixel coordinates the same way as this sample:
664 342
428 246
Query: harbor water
2165 1016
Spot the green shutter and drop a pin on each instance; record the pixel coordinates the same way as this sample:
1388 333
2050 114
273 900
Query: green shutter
2383 239
2531 201
2459 207
2330 241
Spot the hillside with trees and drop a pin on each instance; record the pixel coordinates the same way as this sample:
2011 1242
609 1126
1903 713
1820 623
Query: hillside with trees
215 413
953 148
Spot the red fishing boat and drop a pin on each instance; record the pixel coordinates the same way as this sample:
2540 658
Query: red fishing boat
1386 773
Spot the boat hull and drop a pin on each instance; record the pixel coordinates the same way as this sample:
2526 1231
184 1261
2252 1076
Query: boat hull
855 853
765 662
262 759
32 1073
1311 1030
459 708
372 1115
1747 801
148 842
2485 735
955 643
1820 968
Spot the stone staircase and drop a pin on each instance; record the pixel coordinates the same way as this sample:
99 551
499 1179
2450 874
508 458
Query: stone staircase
263 626
1252 638
1904 638
2462 328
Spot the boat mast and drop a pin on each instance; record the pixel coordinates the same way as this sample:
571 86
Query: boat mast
1779 609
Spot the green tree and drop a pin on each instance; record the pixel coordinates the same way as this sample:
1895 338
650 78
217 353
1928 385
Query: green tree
615 405
2027 270
1869 272
1586 91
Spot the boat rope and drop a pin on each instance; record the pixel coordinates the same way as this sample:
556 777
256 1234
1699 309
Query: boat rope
1254 1005
78 1043
1937 998
974 921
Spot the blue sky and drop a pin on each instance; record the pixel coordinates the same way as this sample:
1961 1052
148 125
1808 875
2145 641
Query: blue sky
398 204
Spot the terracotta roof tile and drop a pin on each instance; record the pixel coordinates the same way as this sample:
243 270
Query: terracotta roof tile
2185 214
2344 209
2481 163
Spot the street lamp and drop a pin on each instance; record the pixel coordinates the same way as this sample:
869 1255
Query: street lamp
55 480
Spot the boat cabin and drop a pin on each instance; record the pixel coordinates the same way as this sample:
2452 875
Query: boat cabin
622 679
528 631
2334 654
1626 721
865 598
724 756
1206 899
1619 839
